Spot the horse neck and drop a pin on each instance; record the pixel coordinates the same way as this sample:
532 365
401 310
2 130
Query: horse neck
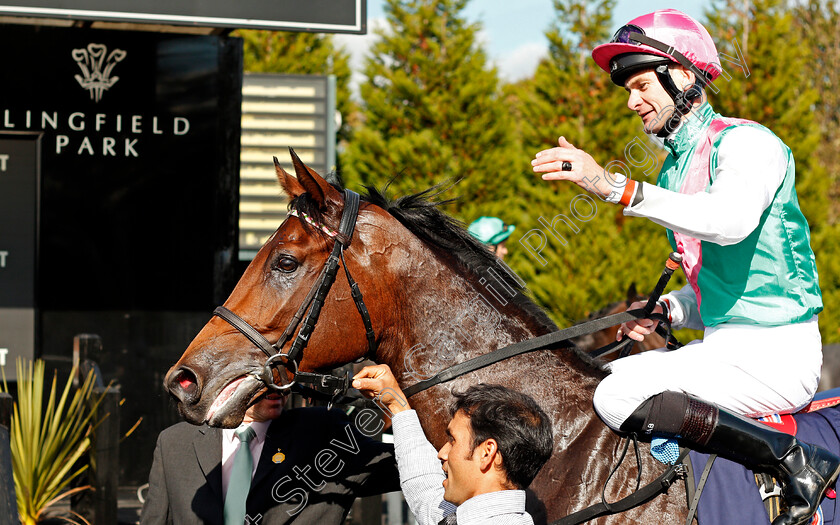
448 316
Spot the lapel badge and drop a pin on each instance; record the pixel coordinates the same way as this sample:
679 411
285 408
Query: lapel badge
279 457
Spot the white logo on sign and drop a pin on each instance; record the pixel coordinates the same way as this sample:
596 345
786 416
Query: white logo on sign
97 70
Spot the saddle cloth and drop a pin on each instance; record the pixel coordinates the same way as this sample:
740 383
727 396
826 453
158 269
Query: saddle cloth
731 494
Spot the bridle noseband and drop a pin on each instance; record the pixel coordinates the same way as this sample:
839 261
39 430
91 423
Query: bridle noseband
323 384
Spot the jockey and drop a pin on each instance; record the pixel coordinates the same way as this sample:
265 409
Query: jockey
726 196
493 232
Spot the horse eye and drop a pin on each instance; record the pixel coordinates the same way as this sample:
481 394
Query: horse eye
286 264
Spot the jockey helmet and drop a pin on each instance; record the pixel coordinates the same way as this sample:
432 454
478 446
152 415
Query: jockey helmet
666 36
655 41
490 230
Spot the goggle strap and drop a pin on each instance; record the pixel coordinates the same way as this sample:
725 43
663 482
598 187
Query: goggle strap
670 51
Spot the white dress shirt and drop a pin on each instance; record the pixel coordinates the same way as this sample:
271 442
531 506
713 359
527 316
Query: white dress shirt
230 444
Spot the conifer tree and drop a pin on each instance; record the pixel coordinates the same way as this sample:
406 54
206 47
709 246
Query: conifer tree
780 92
595 253
432 111
818 20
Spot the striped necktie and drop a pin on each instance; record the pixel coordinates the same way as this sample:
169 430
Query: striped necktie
448 520
240 478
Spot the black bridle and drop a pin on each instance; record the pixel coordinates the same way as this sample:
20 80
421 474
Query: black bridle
323 384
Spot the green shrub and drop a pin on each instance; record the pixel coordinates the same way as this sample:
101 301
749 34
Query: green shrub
48 439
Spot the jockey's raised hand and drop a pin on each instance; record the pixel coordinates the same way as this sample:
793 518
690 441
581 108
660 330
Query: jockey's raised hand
566 162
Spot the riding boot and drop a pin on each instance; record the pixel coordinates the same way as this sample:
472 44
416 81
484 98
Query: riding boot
804 471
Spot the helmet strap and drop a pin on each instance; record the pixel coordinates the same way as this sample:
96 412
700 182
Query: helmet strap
683 99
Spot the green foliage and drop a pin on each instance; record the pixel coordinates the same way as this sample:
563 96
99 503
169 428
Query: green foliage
433 112
825 246
817 22
48 439
604 252
781 93
301 53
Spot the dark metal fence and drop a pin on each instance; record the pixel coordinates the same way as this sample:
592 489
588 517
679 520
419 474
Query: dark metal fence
8 505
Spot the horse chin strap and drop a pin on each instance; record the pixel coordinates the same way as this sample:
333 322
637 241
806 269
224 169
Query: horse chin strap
323 385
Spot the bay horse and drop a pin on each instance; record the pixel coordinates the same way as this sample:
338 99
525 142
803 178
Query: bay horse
435 297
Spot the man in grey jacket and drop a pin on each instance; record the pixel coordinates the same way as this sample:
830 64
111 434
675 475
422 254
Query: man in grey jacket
309 465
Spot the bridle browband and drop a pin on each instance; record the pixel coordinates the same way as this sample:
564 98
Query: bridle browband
323 384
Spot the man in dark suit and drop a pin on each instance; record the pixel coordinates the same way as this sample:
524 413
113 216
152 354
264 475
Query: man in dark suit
310 467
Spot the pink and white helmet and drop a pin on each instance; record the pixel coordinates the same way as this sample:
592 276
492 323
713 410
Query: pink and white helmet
666 35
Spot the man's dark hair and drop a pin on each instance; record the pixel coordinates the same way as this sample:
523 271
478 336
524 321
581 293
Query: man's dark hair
517 423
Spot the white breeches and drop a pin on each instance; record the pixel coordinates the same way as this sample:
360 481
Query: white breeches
750 370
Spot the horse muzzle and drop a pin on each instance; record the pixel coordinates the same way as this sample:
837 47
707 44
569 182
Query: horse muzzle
220 403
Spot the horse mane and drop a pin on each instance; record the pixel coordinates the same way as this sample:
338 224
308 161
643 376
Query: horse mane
420 213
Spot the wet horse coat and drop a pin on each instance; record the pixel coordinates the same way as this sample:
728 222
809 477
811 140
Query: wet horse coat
436 297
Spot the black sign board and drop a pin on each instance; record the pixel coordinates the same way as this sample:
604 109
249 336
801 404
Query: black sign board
323 16
19 158
139 135
19 180
140 140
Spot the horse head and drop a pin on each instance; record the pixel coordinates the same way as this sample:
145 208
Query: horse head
220 372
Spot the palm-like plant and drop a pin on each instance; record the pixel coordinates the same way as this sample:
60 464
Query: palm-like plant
47 440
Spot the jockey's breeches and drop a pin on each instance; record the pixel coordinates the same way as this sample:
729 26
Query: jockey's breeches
750 370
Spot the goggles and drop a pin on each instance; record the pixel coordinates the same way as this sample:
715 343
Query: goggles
622 36
635 35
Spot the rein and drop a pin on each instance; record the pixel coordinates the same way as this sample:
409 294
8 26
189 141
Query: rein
537 343
333 387
562 336
641 495
324 384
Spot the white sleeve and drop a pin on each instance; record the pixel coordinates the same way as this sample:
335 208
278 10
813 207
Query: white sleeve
421 475
751 166
684 312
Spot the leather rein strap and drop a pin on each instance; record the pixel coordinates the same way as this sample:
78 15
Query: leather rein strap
325 384
560 337
656 487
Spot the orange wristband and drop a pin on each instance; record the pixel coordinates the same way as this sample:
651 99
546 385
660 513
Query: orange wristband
629 190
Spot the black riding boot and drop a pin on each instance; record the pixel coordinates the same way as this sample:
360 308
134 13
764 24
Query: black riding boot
805 471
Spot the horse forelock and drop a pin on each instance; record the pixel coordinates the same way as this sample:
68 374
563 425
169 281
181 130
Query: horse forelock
304 203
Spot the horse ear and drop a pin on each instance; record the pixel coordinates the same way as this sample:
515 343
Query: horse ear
315 185
631 293
290 184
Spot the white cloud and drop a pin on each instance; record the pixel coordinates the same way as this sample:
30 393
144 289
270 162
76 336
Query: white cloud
513 65
521 62
358 47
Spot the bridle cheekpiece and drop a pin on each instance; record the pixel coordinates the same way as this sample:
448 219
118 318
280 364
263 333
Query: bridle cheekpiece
321 385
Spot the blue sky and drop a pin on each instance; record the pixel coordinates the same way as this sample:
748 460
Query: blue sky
513 30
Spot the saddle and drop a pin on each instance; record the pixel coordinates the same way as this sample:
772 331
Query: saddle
734 494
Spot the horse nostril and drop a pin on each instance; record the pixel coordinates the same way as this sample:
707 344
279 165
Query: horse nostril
183 384
187 381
